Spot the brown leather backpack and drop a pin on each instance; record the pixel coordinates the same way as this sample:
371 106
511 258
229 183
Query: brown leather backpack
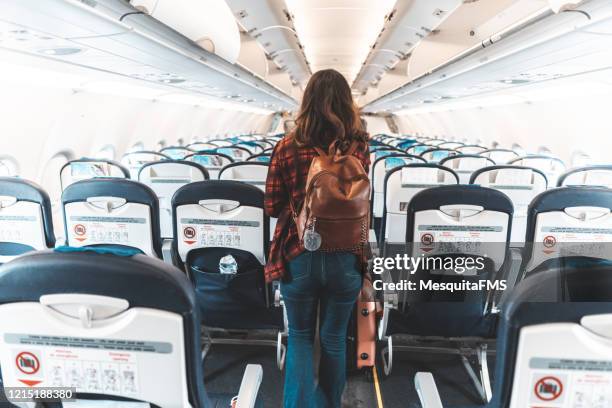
336 205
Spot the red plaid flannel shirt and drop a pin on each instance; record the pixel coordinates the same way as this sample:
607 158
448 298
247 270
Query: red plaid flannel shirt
287 180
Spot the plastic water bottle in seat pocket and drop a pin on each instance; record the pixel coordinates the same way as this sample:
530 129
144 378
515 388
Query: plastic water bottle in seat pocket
228 265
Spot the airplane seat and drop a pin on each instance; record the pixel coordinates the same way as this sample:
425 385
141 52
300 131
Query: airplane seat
567 226
165 178
471 149
214 219
465 164
378 153
252 172
435 154
237 153
252 146
212 161
436 142
25 218
552 167
261 157
521 184
500 156
450 145
107 211
379 168
401 184
375 142
135 160
201 146
463 225
600 175
266 144
220 142
176 152
417 149
406 143
554 346
128 332
85 168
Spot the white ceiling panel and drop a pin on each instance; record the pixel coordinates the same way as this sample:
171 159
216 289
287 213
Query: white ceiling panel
338 34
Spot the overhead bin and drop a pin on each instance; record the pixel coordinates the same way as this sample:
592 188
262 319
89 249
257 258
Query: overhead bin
210 23
113 36
547 48
271 25
405 27
252 56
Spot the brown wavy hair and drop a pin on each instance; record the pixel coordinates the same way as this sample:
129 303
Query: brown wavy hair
328 113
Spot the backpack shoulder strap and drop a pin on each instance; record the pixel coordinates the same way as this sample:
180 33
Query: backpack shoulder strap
296 208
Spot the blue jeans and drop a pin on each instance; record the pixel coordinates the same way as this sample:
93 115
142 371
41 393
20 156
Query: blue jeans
331 281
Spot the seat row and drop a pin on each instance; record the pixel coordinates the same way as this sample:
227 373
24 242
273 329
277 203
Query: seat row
397 178
567 228
133 324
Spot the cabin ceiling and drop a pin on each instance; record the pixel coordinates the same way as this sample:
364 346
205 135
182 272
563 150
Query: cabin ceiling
377 45
338 34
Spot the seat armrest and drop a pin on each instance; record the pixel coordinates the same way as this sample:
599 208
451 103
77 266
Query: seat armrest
167 251
512 277
427 390
373 242
249 387
276 292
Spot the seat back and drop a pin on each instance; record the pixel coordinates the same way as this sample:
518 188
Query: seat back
83 169
417 149
554 350
135 160
434 154
237 153
587 176
550 166
106 211
164 178
460 219
25 218
450 145
436 142
379 169
471 149
114 327
520 184
261 157
220 142
465 164
401 185
176 152
251 146
201 146
213 162
500 156
254 173
220 213
266 144
378 153
403 143
568 222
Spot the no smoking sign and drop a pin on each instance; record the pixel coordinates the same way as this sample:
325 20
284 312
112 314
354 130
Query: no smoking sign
548 388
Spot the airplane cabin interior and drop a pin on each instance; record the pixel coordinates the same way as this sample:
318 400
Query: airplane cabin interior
136 139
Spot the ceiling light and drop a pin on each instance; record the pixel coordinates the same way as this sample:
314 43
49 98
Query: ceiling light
60 51
172 80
